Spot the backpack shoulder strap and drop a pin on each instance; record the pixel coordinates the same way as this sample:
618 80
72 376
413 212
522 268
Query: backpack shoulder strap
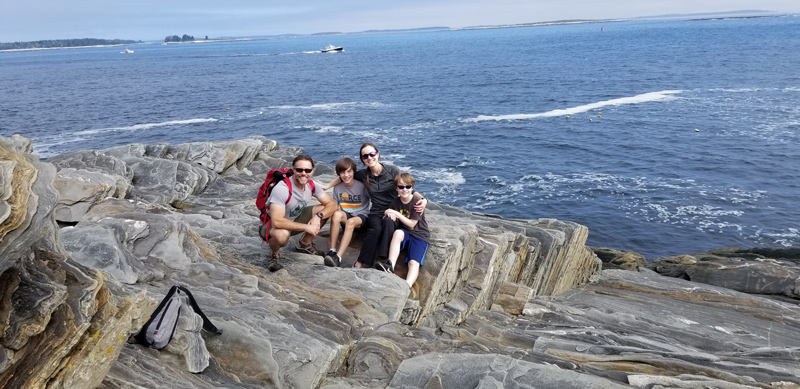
207 325
313 187
288 181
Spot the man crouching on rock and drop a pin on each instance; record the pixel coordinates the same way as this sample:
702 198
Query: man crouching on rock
290 214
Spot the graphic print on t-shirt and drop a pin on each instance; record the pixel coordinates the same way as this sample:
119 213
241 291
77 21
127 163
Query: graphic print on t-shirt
296 211
353 200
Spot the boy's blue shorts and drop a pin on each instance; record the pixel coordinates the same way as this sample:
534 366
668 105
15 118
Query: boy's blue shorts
416 247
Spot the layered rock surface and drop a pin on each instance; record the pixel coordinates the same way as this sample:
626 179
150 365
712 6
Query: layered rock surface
91 240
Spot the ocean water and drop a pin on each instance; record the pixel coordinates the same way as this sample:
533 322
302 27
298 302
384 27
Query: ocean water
663 137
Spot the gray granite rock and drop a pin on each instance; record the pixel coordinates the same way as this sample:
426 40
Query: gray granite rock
81 189
486 371
620 259
62 325
771 271
500 303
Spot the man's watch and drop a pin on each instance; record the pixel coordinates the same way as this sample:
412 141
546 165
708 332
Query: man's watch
320 215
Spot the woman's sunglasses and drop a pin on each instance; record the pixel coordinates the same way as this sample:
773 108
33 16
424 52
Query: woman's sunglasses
300 170
405 186
368 155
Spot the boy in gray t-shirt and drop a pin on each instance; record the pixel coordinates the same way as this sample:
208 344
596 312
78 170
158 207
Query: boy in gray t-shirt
354 203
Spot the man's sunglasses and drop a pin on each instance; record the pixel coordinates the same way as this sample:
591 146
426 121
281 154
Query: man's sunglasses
405 186
368 155
300 170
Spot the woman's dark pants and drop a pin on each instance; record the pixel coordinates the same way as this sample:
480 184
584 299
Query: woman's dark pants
377 239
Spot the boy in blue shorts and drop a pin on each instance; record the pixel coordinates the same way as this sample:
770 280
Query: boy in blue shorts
414 234
353 200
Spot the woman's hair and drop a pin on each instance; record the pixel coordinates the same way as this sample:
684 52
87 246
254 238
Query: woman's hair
405 177
345 163
303 157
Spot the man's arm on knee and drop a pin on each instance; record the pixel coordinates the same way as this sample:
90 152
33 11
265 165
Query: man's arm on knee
278 216
329 206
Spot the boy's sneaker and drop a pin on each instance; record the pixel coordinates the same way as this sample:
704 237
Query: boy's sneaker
307 249
332 259
384 265
274 263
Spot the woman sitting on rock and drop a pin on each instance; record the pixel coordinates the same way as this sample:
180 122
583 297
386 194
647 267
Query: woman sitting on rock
379 180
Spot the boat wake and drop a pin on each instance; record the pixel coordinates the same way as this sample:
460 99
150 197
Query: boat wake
146 126
665 95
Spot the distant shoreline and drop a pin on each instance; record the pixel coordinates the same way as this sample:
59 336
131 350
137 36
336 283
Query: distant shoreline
69 47
213 40
538 24
133 44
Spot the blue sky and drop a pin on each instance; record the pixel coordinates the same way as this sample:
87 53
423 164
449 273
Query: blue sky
153 20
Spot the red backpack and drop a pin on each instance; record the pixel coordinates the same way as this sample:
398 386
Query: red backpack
274 177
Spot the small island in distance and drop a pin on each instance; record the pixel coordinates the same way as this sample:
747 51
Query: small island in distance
65 43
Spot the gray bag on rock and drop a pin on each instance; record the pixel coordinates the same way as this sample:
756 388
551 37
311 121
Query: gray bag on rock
160 328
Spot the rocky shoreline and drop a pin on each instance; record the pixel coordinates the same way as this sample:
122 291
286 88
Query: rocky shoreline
91 240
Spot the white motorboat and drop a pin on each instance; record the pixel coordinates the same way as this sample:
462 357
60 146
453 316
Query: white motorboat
127 51
332 49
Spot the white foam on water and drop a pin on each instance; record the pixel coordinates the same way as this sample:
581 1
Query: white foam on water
230 115
738 196
475 160
442 176
393 157
705 210
43 146
424 125
779 132
711 226
374 137
146 126
682 202
736 90
333 129
447 179
665 95
788 237
330 106
791 233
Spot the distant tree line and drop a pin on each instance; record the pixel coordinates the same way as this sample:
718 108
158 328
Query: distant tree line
184 38
64 43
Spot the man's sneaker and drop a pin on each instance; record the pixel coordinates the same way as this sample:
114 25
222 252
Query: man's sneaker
274 263
332 259
384 265
307 249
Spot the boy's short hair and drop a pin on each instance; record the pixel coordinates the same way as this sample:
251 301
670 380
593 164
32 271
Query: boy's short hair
405 177
345 163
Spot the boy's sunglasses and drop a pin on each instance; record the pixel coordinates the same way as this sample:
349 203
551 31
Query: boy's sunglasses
405 186
300 170
372 154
